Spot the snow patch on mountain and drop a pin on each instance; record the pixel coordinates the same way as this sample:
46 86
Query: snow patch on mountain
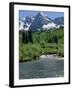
21 24
49 26
27 27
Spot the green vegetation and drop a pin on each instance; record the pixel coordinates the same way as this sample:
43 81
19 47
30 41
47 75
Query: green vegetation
43 43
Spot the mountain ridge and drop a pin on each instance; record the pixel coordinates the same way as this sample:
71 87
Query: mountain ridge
40 21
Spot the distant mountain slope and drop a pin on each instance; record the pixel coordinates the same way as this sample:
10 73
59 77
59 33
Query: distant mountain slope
59 20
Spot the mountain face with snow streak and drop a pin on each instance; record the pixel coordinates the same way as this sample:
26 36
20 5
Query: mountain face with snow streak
40 21
24 24
29 19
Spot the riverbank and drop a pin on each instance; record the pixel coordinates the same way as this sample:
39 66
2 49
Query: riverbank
51 57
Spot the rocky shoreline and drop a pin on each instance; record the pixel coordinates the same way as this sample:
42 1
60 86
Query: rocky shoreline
53 56
47 57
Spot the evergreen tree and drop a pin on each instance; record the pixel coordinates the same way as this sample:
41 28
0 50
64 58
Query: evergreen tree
23 36
55 39
30 36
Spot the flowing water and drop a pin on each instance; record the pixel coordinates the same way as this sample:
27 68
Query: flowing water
42 68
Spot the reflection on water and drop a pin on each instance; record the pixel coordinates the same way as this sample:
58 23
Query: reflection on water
42 68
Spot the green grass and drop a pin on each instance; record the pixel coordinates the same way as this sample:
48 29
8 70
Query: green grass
43 43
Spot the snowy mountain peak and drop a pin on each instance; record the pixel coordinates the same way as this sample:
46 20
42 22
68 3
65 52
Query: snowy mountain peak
39 21
41 13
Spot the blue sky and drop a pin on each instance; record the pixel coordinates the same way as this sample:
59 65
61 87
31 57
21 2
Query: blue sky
52 15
